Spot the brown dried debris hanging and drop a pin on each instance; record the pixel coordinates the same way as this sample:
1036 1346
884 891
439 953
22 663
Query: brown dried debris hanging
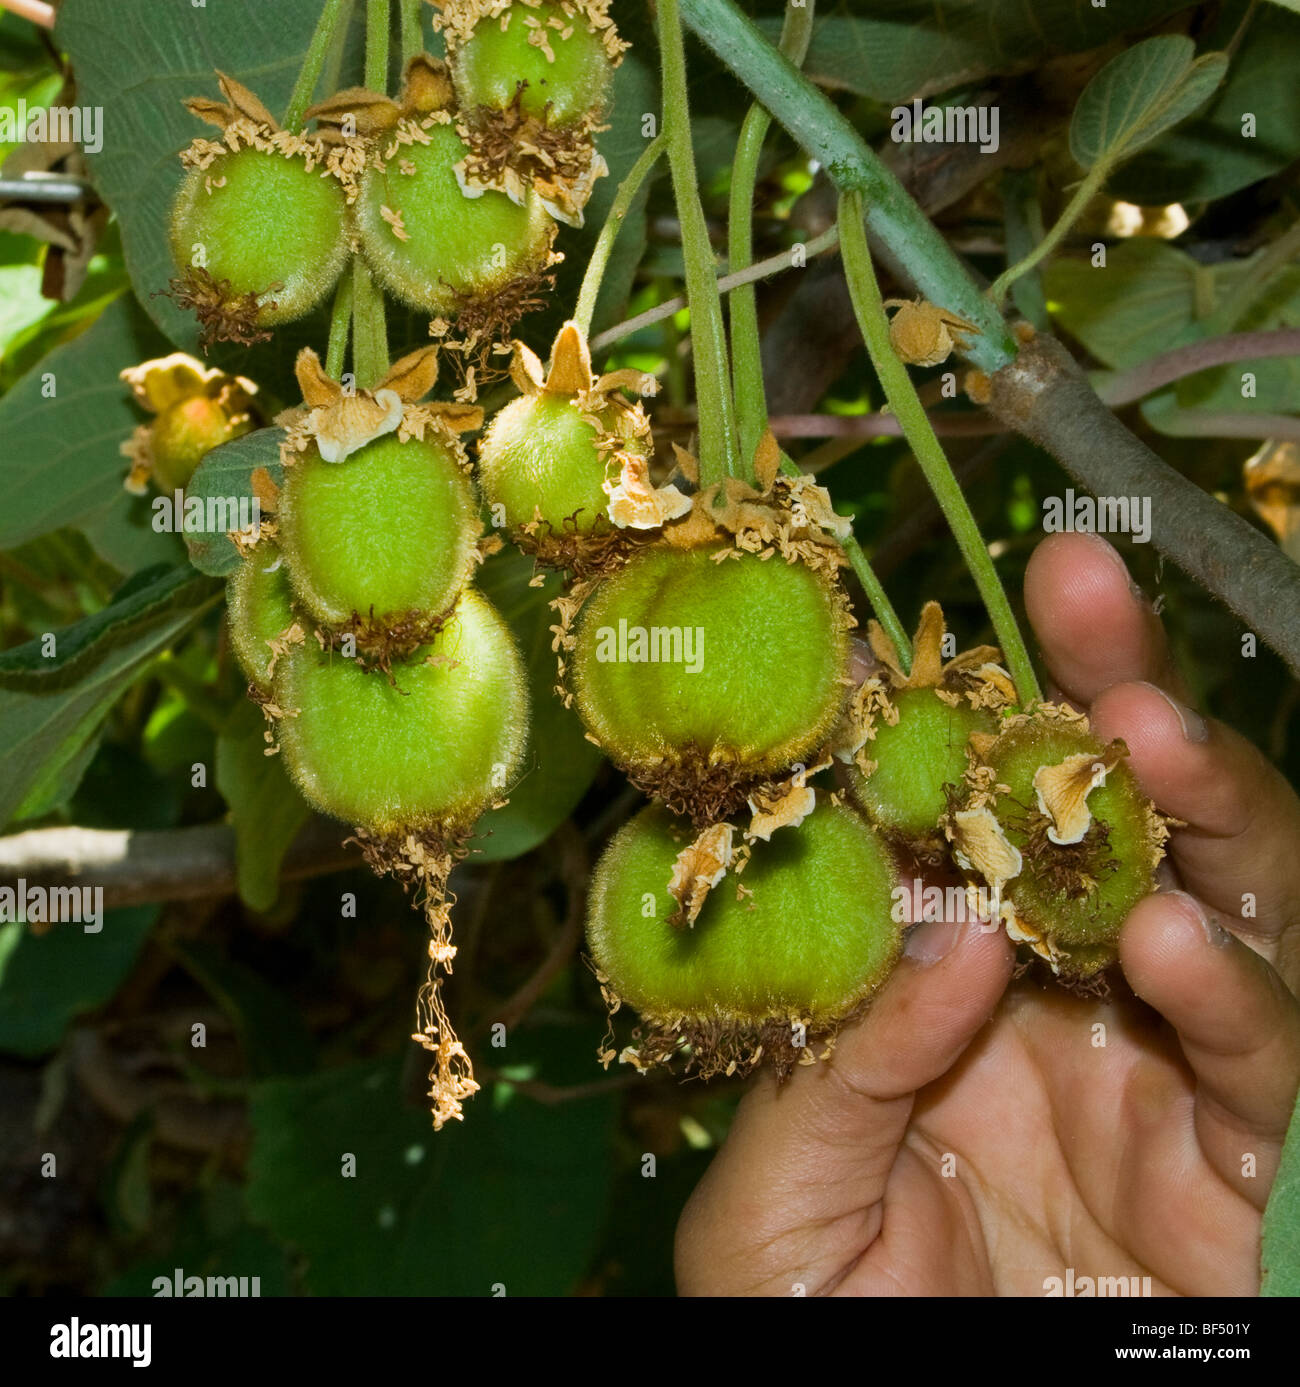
422 863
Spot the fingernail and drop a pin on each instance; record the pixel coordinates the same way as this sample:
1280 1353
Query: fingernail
1195 728
1191 909
931 940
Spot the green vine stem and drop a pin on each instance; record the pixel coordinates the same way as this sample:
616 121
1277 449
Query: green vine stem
746 349
378 16
820 129
911 415
314 62
717 427
369 328
412 31
1083 195
340 320
619 208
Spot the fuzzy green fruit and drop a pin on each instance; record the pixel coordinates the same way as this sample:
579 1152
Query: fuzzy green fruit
751 668
813 935
272 229
260 611
1086 852
458 249
386 536
540 455
429 750
915 760
563 81
185 433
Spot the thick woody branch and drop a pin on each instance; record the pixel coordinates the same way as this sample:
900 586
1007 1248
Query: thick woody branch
1045 395
137 868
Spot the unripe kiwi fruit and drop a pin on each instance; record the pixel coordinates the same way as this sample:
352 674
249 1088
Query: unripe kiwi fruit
428 748
457 248
812 935
384 534
915 760
1075 896
262 223
497 63
771 681
539 456
185 433
260 611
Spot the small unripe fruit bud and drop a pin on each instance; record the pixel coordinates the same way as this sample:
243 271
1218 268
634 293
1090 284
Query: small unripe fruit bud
539 458
804 934
386 534
430 749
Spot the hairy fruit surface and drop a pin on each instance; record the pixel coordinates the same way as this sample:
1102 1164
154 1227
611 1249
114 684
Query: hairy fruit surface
430 748
801 936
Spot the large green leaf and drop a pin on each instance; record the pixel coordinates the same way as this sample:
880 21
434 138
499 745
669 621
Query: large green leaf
561 763
1281 1246
69 470
1139 95
512 1198
1212 155
265 808
47 980
912 48
226 474
50 707
1150 296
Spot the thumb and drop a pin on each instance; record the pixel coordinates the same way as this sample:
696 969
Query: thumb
795 1195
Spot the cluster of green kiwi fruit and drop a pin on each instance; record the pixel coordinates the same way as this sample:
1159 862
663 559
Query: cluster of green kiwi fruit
449 192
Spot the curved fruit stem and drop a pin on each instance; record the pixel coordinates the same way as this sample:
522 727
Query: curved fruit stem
852 165
746 353
340 320
623 199
369 328
314 62
718 454
917 429
378 15
412 31
1083 195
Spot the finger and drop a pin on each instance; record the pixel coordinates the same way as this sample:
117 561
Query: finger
1240 849
1093 624
794 1194
1238 1025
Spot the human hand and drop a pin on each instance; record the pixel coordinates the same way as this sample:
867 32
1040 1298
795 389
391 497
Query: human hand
970 1137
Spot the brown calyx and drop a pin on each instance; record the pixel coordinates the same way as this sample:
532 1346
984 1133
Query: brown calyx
223 314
